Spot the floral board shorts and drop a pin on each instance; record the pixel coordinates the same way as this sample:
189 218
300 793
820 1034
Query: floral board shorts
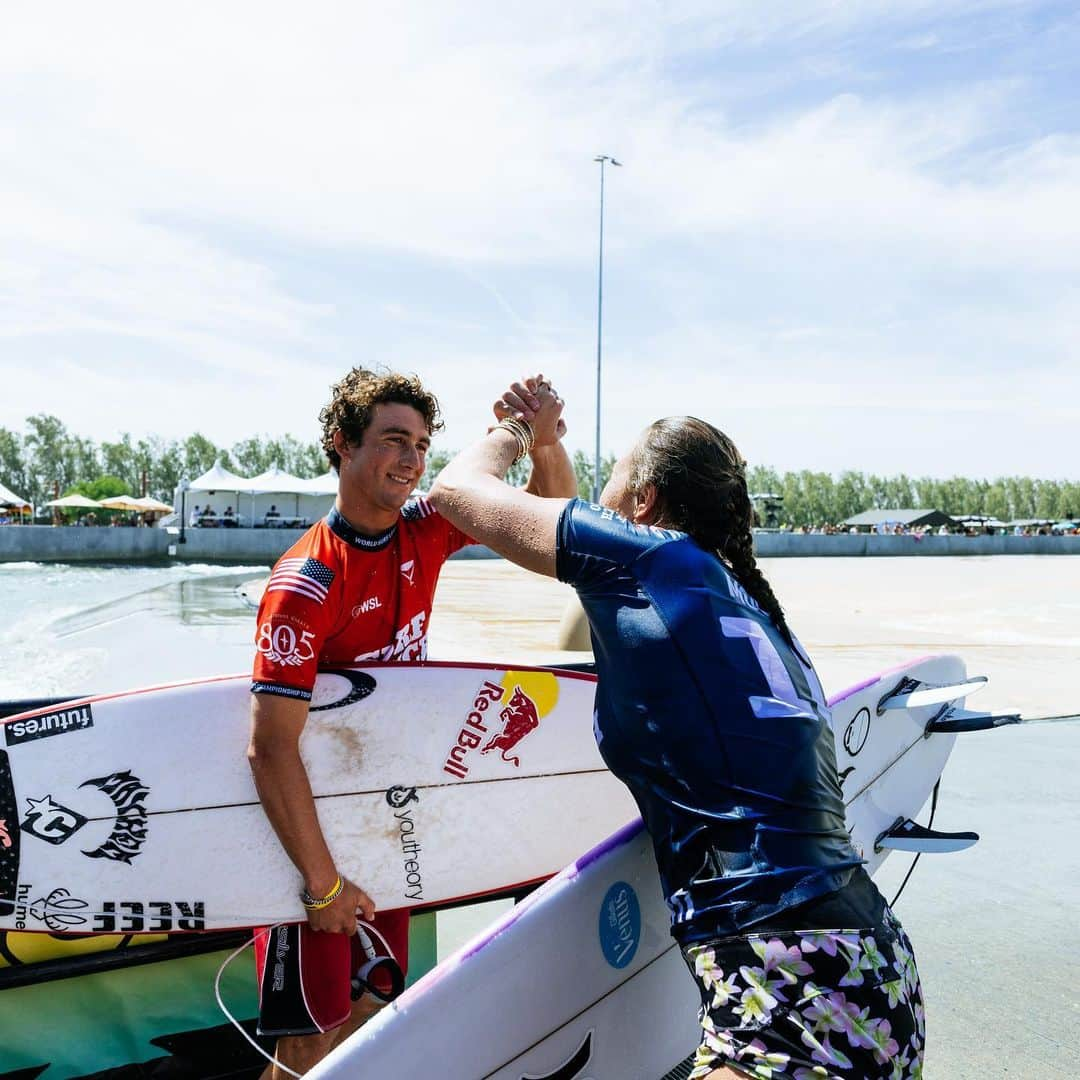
811 1004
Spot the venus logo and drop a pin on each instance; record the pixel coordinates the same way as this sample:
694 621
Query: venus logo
620 924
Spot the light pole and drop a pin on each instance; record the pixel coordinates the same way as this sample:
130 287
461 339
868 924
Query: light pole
184 484
603 159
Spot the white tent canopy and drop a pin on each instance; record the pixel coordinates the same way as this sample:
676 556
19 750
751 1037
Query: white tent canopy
276 481
322 485
218 478
272 497
9 498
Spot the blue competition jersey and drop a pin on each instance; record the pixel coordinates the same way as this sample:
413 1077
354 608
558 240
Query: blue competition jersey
716 724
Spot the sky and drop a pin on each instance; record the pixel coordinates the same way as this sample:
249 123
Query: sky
845 231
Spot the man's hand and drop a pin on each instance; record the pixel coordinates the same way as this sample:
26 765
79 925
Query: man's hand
522 400
340 916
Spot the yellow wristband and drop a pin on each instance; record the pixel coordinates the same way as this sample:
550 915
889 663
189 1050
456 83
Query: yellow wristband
314 903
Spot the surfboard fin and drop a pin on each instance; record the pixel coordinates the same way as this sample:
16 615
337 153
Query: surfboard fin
913 694
907 835
964 720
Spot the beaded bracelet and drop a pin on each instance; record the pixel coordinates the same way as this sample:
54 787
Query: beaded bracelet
522 432
314 903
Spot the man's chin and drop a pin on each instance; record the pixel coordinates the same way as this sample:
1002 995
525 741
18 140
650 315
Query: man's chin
397 497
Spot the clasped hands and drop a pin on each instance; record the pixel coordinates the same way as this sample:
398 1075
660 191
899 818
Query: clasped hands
534 400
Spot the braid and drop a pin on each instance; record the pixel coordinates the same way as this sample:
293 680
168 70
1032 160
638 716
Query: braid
687 461
739 553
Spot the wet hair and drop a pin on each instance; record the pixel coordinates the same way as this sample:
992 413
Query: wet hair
354 399
700 481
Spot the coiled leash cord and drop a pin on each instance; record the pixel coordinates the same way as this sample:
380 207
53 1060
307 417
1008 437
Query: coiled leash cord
361 981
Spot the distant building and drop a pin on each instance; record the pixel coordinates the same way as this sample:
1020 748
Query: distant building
871 520
769 508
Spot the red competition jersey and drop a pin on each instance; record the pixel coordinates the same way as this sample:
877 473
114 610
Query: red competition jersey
337 597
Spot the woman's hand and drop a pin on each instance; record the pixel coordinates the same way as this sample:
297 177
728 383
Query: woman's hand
547 422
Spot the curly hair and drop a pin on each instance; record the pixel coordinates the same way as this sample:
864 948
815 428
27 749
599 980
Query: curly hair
355 397
700 481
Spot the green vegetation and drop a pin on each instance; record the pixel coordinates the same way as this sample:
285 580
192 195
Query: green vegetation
47 458
817 498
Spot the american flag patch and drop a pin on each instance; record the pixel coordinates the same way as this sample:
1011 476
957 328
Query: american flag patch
308 577
417 508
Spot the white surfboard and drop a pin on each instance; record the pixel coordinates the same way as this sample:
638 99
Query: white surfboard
582 980
136 812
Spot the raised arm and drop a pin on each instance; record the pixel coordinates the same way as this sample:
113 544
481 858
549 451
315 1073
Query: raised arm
552 474
470 491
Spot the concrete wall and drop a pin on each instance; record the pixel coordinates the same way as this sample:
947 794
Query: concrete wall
44 543
797 545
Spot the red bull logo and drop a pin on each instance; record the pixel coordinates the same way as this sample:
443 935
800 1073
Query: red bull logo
532 695
519 718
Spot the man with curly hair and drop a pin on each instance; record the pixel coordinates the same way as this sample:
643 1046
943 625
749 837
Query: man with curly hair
358 586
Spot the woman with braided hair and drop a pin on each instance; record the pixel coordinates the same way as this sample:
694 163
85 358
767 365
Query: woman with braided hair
709 710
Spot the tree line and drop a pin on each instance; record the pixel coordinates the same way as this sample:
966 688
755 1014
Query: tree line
814 498
47 458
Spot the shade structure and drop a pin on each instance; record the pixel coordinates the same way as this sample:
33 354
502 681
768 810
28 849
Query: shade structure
122 502
275 481
219 478
153 506
327 484
72 501
8 498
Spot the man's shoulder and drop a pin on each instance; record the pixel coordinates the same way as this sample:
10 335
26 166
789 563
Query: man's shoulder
319 543
420 508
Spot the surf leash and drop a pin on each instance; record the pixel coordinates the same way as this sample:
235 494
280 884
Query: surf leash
361 982
250 943
374 964
961 721
918 854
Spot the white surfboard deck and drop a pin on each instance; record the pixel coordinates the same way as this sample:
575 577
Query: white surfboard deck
136 812
582 980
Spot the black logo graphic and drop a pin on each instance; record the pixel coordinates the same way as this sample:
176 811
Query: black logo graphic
361 683
856 732
572 1068
399 795
60 722
151 917
59 910
51 822
845 774
129 830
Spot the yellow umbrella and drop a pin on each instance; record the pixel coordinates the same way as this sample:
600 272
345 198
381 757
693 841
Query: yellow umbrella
122 502
154 506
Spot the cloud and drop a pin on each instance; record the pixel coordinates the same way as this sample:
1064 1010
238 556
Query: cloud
239 197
